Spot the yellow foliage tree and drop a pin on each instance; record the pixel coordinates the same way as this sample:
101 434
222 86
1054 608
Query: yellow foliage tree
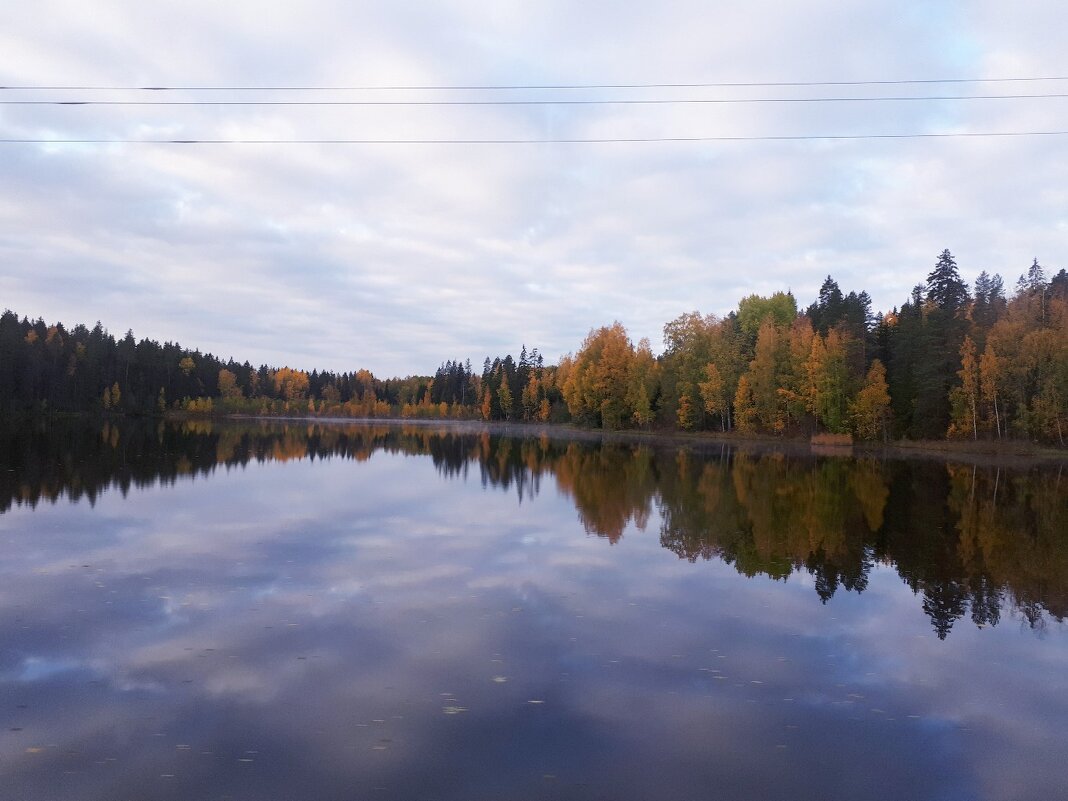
745 417
685 411
964 400
291 384
764 379
991 369
597 386
228 387
643 380
331 394
870 410
530 397
826 379
796 385
714 393
504 398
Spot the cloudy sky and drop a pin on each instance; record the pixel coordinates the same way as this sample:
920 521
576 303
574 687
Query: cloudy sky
396 257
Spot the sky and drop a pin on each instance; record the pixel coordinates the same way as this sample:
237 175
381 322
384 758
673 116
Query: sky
396 257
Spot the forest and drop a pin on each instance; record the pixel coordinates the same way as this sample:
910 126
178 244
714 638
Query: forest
952 361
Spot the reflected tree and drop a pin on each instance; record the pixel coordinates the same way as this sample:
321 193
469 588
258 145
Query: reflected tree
968 540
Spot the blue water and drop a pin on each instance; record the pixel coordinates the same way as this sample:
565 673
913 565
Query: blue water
391 622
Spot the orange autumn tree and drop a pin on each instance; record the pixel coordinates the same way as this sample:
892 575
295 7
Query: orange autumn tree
596 390
291 384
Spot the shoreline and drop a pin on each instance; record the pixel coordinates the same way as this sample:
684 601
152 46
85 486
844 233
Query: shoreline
1014 453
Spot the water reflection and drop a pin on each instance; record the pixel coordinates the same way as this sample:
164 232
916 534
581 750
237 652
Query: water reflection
967 539
320 612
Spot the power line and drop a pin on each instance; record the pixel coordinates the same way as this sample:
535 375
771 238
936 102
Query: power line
546 141
518 87
534 102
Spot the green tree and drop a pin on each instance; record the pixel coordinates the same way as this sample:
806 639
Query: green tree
780 308
688 347
834 386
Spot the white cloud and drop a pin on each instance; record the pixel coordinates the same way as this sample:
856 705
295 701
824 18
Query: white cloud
397 257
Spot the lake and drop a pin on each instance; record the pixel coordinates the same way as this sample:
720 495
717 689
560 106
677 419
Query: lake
318 611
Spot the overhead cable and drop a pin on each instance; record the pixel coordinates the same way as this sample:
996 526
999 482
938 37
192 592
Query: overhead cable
531 102
533 141
520 87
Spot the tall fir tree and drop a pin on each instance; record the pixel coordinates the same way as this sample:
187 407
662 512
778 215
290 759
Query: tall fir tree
944 328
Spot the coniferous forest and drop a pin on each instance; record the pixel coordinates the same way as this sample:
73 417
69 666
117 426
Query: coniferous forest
981 362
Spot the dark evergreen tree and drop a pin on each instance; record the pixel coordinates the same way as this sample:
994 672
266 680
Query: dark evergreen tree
1033 291
904 346
829 307
988 305
1058 285
944 328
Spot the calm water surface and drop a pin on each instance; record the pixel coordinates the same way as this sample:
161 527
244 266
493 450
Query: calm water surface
363 612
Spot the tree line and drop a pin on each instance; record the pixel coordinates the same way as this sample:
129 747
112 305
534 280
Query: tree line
951 361
948 362
48 368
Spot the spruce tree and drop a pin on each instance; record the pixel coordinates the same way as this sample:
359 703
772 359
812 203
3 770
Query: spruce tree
944 327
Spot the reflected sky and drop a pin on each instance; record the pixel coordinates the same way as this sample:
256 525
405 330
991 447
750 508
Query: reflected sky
383 628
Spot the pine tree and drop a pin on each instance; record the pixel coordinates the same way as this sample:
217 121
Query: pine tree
945 289
943 331
988 306
829 308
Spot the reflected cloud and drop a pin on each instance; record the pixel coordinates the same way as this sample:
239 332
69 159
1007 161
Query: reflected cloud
954 541
269 623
